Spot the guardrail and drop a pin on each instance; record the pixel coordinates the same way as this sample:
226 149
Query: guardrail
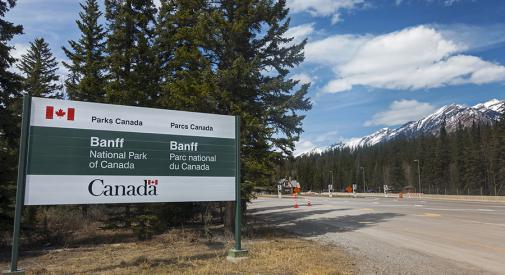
410 196
465 197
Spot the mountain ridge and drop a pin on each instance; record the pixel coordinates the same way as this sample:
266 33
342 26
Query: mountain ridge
453 115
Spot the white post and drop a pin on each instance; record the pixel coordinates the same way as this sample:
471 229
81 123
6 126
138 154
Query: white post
279 193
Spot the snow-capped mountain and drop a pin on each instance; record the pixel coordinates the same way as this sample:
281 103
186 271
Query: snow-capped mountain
322 149
453 115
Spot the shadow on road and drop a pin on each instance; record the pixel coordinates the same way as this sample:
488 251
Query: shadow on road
287 207
302 223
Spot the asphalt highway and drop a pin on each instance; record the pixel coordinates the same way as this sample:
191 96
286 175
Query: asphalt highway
399 236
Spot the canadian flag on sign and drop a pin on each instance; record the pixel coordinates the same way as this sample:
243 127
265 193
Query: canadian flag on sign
60 113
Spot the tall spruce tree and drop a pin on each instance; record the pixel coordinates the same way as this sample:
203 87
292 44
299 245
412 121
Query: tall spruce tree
131 62
248 40
39 67
186 72
499 148
442 158
133 79
86 80
267 103
10 91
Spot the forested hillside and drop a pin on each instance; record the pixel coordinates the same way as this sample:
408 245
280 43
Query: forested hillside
470 160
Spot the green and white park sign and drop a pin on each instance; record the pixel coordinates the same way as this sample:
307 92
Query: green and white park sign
89 153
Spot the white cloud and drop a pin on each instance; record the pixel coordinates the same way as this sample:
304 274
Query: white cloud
413 58
327 136
299 32
471 36
334 50
445 2
400 112
324 8
303 146
302 77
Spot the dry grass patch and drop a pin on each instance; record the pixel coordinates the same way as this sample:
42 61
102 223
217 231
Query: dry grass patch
184 252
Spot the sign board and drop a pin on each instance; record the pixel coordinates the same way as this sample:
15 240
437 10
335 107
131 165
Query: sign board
89 153
354 188
330 187
279 187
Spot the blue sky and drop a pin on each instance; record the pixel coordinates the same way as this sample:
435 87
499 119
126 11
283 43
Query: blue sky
372 63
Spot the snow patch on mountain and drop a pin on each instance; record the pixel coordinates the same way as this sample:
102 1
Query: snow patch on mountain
453 115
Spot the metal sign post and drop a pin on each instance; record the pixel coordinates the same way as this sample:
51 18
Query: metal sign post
23 146
237 252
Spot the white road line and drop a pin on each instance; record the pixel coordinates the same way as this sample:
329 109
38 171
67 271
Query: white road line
462 209
486 223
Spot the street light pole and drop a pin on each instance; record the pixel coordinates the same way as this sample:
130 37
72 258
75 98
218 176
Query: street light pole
329 191
418 174
331 172
364 182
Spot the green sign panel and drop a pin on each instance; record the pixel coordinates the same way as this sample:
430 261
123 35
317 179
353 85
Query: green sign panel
96 153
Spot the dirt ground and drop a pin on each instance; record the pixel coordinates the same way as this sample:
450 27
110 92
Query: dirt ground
186 251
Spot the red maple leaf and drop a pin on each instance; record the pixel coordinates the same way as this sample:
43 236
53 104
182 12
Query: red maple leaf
60 113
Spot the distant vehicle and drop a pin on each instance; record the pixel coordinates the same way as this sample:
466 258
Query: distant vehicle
409 189
373 190
392 190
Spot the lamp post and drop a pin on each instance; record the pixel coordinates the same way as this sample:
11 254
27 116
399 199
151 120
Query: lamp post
364 182
418 174
329 189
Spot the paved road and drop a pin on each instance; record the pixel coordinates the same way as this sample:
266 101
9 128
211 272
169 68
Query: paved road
400 236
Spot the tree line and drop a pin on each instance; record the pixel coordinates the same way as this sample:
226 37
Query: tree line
470 160
220 56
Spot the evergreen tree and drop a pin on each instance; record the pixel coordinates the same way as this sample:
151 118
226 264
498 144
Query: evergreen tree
131 62
499 147
86 80
187 77
267 104
133 79
10 83
247 40
442 158
10 92
39 67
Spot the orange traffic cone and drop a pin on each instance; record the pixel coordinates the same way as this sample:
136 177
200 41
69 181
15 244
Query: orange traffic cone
296 201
